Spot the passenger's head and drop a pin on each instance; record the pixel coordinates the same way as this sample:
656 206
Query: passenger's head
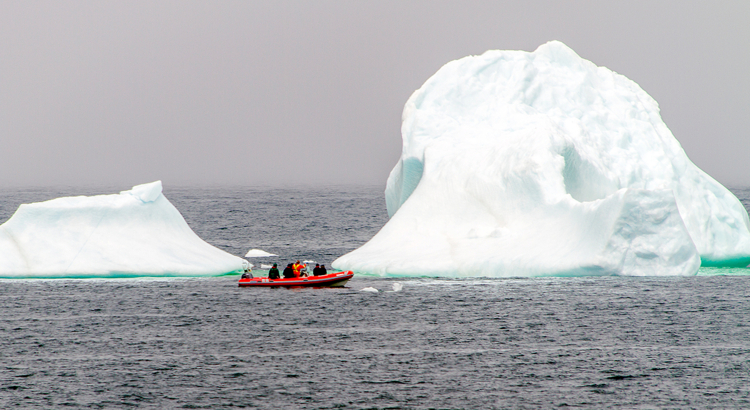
317 266
322 266
274 265
297 260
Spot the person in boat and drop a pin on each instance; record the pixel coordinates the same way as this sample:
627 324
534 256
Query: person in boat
273 273
248 272
323 270
316 270
297 267
288 272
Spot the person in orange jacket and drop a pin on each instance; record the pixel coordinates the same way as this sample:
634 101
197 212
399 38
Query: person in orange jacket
298 268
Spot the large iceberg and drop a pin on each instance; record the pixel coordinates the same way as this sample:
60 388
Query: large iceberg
534 164
133 233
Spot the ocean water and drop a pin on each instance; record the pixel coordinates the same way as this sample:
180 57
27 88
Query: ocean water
586 343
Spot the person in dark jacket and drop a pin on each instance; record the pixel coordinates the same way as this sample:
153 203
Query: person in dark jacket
288 272
323 270
316 270
273 273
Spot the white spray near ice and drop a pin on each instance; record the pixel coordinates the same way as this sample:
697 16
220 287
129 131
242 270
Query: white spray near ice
396 287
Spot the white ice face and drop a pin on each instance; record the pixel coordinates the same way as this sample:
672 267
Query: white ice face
136 232
528 164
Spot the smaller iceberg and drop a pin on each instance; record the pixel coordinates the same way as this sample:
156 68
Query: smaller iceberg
258 253
133 233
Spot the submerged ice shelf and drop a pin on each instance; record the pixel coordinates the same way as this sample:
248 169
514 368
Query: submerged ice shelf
534 164
133 233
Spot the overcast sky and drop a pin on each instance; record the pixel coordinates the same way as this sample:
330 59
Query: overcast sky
311 92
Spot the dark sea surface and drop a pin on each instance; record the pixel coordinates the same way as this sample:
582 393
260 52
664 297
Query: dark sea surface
592 343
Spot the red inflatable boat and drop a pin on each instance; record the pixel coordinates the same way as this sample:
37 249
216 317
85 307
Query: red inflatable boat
329 280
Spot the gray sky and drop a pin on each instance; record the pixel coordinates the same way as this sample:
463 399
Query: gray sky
309 92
